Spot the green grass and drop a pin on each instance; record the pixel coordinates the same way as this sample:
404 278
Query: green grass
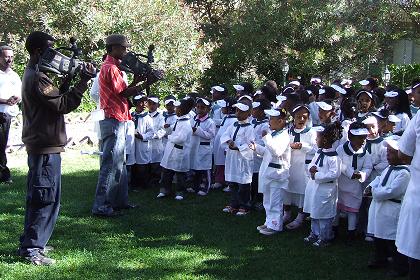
164 239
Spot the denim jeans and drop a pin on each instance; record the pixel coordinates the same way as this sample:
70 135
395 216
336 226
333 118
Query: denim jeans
112 187
42 201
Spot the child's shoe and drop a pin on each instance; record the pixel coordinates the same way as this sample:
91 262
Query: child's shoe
227 189
229 209
320 243
202 193
311 238
190 190
242 212
161 195
216 185
268 231
261 227
179 197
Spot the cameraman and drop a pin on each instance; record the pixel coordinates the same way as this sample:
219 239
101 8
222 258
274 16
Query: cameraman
112 187
44 135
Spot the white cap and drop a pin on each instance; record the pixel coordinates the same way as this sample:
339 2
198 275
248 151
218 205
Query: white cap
346 82
295 83
309 92
339 89
318 128
301 106
364 91
169 101
221 103
140 96
217 88
416 86
256 104
324 106
281 98
177 103
272 112
206 102
315 80
392 143
394 119
241 106
257 92
359 131
370 120
364 82
391 94
321 91
238 87
153 99
245 96
409 91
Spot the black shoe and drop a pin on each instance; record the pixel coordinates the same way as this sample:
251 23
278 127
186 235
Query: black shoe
126 207
375 264
112 214
396 274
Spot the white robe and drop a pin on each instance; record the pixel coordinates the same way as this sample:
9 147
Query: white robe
169 119
156 143
350 190
176 156
259 127
201 144
377 153
402 125
130 149
408 232
218 150
145 129
239 163
384 213
321 193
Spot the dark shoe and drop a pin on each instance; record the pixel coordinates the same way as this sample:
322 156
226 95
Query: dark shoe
396 274
126 207
375 264
39 259
107 215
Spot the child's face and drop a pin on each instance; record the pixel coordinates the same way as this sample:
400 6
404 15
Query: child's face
242 115
416 96
388 126
225 110
373 130
277 123
320 140
152 106
301 118
392 155
140 106
258 113
364 103
216 95
325 116
170 107
392 102
178 111
357 141
202 109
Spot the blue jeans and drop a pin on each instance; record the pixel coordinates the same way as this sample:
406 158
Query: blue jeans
112 187
42 201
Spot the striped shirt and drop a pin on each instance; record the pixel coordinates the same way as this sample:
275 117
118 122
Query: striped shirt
111 84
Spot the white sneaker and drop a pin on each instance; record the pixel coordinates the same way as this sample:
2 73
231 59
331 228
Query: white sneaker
268 231
160 195
369 239
261 227
227 189
216 186
202 193
179 197
190 190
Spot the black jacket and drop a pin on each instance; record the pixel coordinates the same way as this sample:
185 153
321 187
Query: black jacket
43 108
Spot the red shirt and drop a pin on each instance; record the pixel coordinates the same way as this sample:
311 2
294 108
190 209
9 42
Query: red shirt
111 84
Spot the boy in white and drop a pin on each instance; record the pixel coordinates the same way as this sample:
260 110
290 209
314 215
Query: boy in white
204 130
387 192
321 191
239 160
355 168
169 117
302 141
176 157
274 170
156 143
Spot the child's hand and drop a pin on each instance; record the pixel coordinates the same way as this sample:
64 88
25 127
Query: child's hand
194 129
356 175
264 133
252 146
166 125
138 136
296 146
313 169
232 145
367 191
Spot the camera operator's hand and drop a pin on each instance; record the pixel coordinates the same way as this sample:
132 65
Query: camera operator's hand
138 78
155 76
88 71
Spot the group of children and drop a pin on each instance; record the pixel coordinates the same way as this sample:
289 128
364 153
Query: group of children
329 151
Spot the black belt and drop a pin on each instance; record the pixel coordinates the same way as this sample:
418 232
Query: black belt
330 182
145 141
205 143
178 146
395 200
307 161
275 165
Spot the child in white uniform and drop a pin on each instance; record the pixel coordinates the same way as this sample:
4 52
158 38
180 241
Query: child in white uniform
156 143
356 165
397 102
274 170
204 130
219 150
302 141
239 160
321 191
169 117
387 192
176 157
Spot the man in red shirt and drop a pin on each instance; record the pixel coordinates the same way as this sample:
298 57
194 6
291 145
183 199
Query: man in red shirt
112 188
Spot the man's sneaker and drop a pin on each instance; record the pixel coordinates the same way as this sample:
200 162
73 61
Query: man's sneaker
47 249
297 223
230 209
268 231
190 190
320 243
202 193
179 197
39 259
227 189
216 186
311 238
242 212
261 227
160 195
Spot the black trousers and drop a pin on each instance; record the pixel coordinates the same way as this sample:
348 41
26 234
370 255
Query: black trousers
201 177
145 175
42 201
414 269
386 248
240 195
167 179
5 121
255 196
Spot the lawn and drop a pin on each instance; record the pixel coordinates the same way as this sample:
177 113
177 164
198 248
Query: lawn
164 239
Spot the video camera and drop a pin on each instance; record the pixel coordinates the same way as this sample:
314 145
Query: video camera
53 61
131 63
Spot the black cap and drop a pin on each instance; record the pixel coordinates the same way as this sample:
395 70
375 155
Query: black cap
117 39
